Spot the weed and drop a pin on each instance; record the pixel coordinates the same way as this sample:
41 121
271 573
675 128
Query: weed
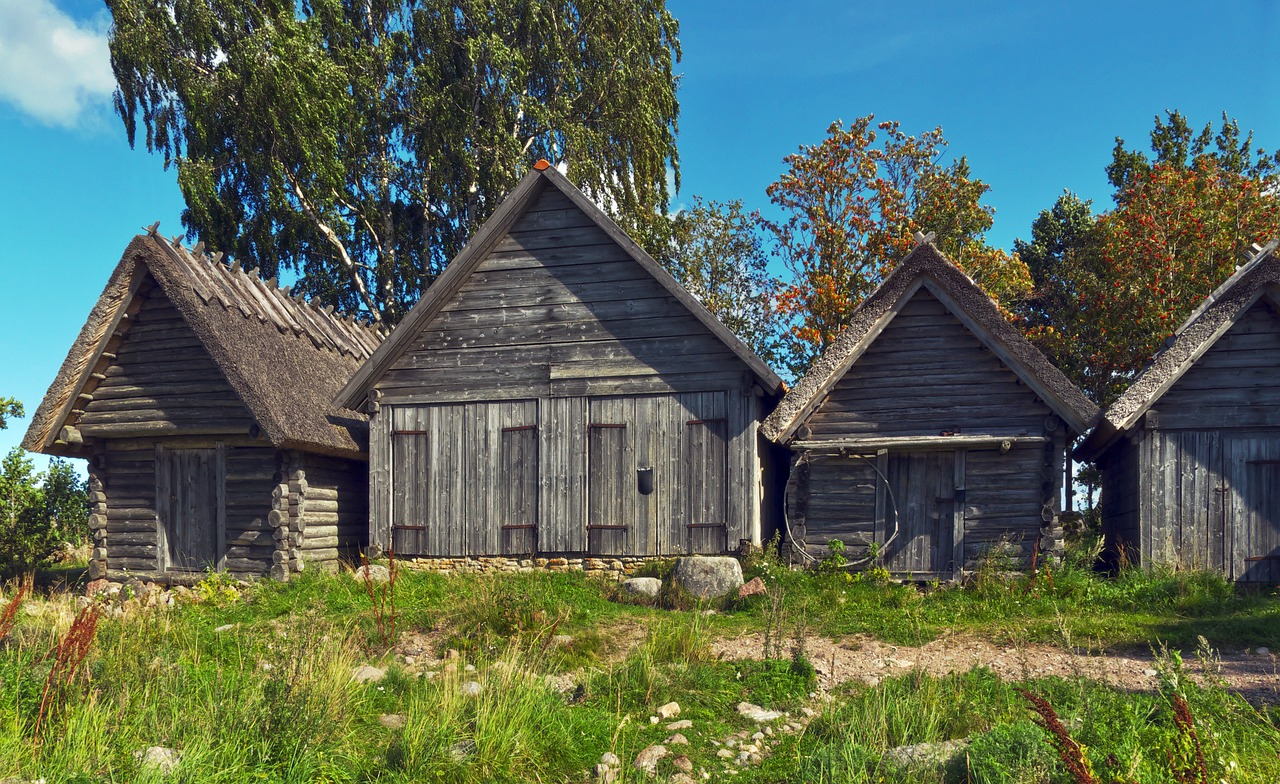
1069 751
382 599
68 655
9 616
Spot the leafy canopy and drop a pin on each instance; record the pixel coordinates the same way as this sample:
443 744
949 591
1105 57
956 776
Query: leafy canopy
10 409
360 143
38 511
852 205
1112 288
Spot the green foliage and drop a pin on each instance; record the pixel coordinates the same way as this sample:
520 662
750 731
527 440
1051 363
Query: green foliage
38 511
719 257
10 408
360 145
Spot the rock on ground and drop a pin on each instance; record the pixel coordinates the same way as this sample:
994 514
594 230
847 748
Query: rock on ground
756 713
683 724
708 577
375 572
393 721
926 753
368 674
676 740
682 763
642 586
669 711
647 760
472 689
753 588
159 759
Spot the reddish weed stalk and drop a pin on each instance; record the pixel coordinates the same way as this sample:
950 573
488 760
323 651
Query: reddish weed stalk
10 615
1068 750
382 598
67 658
1199 773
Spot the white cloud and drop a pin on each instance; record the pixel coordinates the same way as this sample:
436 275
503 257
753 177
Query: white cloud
52 67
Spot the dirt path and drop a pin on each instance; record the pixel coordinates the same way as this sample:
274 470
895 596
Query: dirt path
1255 676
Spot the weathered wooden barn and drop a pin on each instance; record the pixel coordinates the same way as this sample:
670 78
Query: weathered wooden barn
557 392
1190 453
202 399
929 431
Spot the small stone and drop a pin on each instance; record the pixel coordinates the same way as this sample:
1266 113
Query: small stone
642 586
743 757
755 587
373 572
926 753
469 668
758 736
368 674
682 763
462 749
95 587
609 758
724 754
756 713
676 740
605 774
768 730
472 689
393 721
683 724
452 653
1262 650
409 660
562 640
158 759
669 711
654 720
1150 673
682 778
226 627
647 760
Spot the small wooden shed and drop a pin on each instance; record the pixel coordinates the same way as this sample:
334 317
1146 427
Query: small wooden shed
202 398
929 431
557 392
1190 453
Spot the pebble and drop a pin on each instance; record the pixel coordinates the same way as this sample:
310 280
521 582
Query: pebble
409 660
683 724
1262 650
669 711
158 759
676 740
469 668
1150 673
368 674
682 763
225 628
472 689
647 760
605 774
609 758
756 713
724 754
758 736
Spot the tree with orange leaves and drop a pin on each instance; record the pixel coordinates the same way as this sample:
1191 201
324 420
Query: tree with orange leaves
852 205
1121 283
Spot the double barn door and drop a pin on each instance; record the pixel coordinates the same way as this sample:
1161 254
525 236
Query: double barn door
606 476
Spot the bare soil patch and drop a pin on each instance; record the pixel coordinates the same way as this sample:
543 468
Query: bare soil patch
1255 676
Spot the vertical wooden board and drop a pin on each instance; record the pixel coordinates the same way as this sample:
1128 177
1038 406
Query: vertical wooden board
959 493
220 509
553 444
460 505
163 515
643 412
379 478
1216 487
673 413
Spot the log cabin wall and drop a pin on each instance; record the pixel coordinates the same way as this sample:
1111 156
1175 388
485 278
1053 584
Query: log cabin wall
563 401
1197 485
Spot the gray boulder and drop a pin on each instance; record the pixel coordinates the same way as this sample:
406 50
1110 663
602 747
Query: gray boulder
643 586
708 577
376 573
926 754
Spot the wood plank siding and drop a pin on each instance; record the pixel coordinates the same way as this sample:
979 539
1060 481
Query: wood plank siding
927 373
563 400
1195 485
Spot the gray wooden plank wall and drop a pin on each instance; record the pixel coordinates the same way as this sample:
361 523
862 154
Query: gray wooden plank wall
162 381
924 374
559 310
467 479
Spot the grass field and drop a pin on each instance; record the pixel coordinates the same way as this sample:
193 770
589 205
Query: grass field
256 685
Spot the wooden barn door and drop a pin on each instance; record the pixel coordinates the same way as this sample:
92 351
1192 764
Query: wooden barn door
410 475
190 508
610 486
706 462
923 496
1252 508
518 487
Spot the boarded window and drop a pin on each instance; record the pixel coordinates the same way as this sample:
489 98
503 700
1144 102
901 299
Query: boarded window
189 504
610 488
518 511
705 467
410 467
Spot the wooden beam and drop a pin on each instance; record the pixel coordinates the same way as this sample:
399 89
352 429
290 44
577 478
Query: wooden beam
915 442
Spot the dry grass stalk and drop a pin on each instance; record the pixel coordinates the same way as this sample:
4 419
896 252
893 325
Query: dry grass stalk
67 658
1069 751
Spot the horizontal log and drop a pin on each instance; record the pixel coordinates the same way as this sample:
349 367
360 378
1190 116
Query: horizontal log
321 506
116 551
315 493
320 542
131 538
136 565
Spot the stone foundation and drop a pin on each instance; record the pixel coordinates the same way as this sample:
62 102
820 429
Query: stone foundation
617 568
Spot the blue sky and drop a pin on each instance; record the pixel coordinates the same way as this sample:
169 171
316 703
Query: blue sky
1033 94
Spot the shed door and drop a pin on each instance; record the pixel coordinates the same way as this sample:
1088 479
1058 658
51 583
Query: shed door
706 461
189 506
610 488
1252 508
923 494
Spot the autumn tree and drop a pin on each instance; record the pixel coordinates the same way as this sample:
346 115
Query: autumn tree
360 143
718 255
1115 288
851 206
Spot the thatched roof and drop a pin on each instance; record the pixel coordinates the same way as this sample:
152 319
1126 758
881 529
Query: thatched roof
285 358
1206 324
928 266
512 208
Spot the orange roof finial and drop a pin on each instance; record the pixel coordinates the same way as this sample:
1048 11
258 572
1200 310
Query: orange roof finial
542 165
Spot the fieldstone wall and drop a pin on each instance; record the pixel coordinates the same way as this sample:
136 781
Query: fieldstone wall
618 568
